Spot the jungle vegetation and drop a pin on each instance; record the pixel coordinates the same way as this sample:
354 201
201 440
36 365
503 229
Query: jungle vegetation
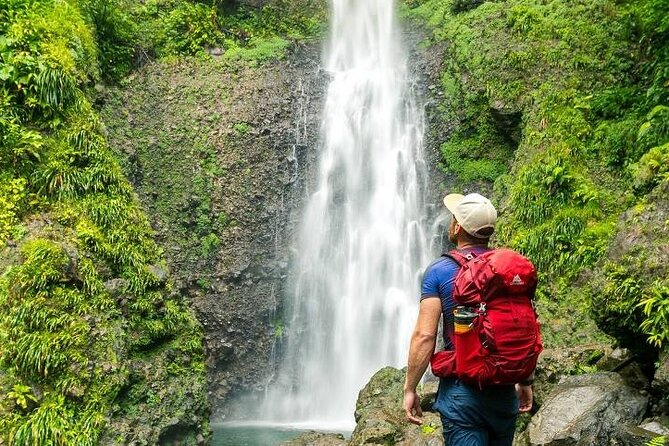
563 110
91 329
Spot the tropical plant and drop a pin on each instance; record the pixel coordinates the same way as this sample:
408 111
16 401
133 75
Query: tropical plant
21 395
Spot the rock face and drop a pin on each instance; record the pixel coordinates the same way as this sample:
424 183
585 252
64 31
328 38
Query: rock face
380 417
586 410
660 386
219 154
317 439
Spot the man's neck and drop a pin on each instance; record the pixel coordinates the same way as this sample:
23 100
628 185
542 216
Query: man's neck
469 245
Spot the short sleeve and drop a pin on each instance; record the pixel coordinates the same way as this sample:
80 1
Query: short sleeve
438 279
430 286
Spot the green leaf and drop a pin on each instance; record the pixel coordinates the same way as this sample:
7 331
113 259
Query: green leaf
643 129
657 109
5 42
6 72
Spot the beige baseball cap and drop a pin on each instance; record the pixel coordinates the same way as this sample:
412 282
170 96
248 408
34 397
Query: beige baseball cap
474 212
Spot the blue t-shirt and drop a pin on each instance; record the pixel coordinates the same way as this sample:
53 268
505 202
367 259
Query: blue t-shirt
438 282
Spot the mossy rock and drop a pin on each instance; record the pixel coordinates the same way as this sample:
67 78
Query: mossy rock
634 270
380 416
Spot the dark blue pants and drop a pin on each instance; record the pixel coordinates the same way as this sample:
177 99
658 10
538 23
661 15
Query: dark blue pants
475 417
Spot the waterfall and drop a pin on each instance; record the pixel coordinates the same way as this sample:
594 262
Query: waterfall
362 244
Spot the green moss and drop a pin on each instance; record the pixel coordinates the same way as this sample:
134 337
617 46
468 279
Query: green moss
209 244
427 429
259 50
241 127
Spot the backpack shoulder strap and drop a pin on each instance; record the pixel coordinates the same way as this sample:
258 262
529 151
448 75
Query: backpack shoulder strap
459 257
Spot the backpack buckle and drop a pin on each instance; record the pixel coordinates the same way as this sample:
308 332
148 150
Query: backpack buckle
482 308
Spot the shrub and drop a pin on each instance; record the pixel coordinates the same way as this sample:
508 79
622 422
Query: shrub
116 34
652 168
190 27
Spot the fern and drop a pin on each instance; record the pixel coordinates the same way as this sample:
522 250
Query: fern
656 309
657 441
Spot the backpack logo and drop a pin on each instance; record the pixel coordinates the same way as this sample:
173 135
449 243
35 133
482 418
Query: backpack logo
517 281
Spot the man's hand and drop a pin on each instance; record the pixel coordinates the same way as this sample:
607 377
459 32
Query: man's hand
524 393
412 408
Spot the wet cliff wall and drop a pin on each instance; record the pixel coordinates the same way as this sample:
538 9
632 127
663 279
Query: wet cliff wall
219 155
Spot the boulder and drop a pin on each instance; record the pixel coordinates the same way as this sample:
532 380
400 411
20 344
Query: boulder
380 417
586 410
661 378
659 426
622 361
555 363
640 435
313 438
634 436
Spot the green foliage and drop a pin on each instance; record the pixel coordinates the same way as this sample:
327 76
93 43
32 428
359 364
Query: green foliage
652 168
427 429
190 27
75 226
21 395
241 127
209 244
660 440
12 201
259 50
173 27
480 155
615 307
116 34
590 79
656 309
46 52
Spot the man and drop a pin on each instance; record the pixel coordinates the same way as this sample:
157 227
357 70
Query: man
471 416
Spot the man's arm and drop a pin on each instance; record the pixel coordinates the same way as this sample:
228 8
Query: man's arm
421 349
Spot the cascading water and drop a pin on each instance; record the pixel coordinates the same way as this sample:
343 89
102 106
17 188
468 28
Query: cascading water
362 244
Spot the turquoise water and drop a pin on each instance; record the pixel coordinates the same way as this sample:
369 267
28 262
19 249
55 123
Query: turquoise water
225 435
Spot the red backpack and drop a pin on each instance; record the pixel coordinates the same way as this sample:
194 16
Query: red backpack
503 342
